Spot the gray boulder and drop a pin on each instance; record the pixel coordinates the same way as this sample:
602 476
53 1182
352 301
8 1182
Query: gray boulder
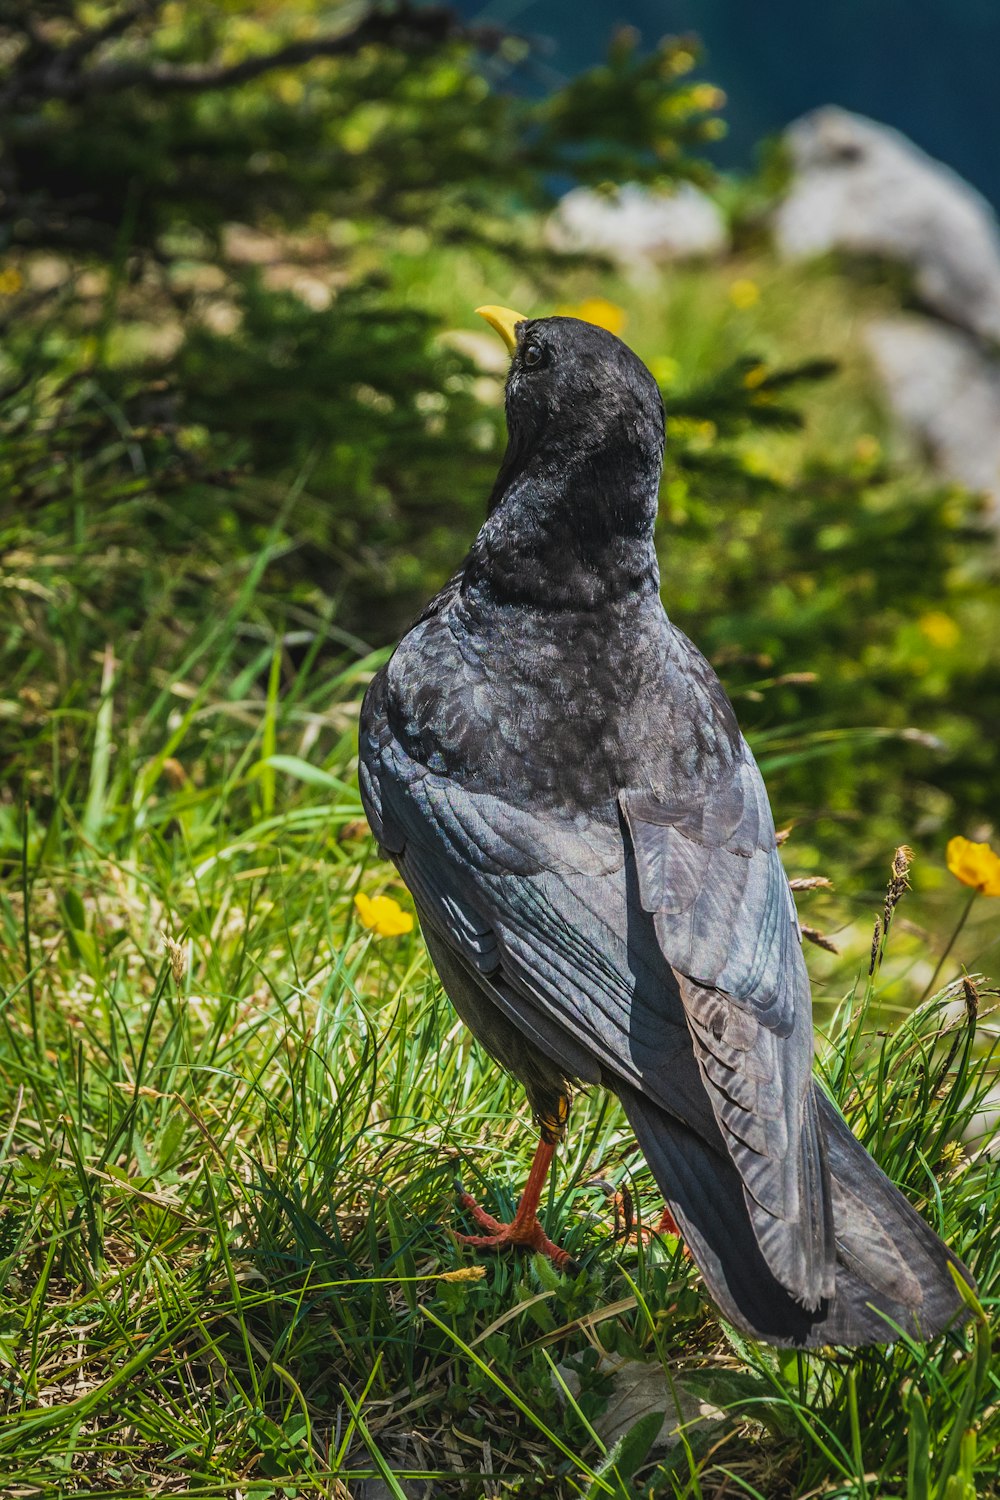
945 392
637 227
639 1388
865 189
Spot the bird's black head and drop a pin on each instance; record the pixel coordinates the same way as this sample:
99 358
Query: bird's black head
579 481
580 400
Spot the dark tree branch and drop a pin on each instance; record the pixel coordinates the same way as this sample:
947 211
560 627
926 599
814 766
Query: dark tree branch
404 28
89 41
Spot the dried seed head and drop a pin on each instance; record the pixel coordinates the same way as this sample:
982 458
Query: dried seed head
820 939
898 882
174 773
971 999
953 1158
876 940
782 835
811 883
177 956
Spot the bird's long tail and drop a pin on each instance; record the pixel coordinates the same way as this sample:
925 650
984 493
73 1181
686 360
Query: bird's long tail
892 1269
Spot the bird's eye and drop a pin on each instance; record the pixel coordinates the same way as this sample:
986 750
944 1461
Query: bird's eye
532 355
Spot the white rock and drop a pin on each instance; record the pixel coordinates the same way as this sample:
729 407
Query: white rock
983 1131
638 1388
863 188
946 393
636 226
484 349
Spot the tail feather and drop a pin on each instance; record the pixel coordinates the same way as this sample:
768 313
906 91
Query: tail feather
892 1269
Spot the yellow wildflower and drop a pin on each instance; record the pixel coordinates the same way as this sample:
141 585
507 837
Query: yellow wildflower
744 293
940 629
384 916
11 281
975 865
599 311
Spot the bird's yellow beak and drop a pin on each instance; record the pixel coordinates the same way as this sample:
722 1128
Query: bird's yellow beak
505 321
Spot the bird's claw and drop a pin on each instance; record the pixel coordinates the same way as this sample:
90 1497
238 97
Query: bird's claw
521 1234
624 1211
480 1215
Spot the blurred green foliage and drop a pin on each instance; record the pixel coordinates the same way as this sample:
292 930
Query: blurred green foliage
847 606
231 239
209 191
239 445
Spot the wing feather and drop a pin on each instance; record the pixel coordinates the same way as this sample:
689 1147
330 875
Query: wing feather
662 944
711 877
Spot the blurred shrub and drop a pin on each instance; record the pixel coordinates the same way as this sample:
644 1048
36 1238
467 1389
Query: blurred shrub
845 605
212 354
376 425
211 193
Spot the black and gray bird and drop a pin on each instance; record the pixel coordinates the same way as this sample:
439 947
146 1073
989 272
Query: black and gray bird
560 779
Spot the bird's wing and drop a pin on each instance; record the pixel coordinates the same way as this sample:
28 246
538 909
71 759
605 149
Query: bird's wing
709 874
544 911
569 921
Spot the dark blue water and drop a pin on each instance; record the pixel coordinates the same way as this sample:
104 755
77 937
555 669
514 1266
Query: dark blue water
929 67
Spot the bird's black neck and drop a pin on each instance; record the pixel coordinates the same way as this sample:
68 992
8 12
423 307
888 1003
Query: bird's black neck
564 536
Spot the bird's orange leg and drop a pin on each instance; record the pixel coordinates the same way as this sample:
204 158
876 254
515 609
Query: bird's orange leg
668 1224
524 1230
624 1211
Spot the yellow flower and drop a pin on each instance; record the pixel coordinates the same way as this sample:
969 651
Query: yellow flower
383 915
940 629
11 281
953 1158
755 376
975 865
599 311
744 293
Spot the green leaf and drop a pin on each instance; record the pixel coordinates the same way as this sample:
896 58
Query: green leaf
629 1453
302 770
917 1448
74 909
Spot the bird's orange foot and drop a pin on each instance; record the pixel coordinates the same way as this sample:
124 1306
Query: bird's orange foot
668 1224
523 1233
624 1212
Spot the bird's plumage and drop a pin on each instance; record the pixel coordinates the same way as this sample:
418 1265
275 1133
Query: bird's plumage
562 783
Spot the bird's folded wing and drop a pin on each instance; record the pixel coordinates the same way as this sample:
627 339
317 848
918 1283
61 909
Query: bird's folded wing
540 906
710 875
574 930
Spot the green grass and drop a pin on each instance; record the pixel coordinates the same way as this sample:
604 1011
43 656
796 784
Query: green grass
234 1121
